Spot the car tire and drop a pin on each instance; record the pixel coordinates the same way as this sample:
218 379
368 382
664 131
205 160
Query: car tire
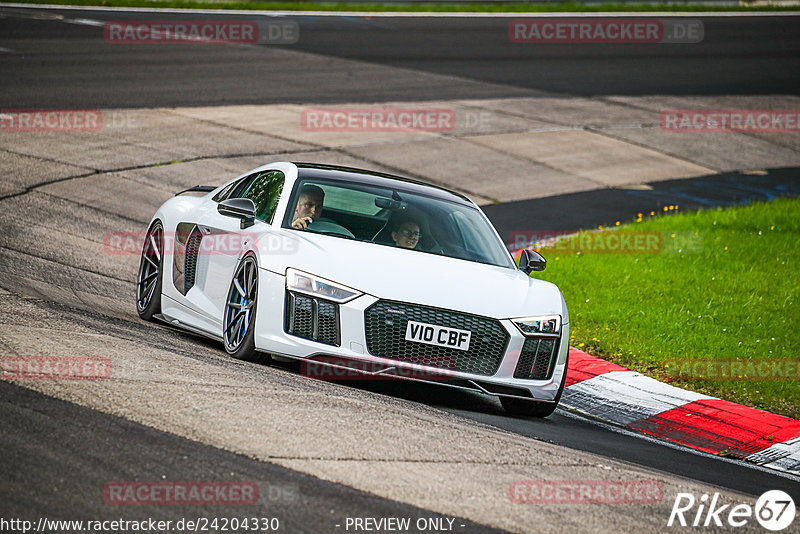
151 267
239 317
534 408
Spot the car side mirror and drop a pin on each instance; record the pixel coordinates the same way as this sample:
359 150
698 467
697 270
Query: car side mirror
530 261
240 208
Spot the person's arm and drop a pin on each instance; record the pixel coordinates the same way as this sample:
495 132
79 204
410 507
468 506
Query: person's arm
301 223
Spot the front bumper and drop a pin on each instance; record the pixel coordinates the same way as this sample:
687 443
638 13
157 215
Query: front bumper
351 354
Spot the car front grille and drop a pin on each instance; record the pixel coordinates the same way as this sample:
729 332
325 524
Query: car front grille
385 328
312 318
537 359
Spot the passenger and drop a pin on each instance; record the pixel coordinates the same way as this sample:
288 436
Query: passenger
406 233
309 206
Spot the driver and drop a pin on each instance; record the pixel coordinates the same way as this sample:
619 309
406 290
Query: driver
309 206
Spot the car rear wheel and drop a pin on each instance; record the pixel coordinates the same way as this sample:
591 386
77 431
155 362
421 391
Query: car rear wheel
239 318
148 285
533 408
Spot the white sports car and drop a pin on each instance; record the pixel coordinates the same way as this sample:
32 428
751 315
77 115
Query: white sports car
358 272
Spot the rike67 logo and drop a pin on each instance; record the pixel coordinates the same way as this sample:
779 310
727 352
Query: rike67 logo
774 510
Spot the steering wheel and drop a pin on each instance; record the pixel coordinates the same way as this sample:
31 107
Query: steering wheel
327 226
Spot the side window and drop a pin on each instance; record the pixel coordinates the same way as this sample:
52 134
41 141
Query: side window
263 189
239 189
226 191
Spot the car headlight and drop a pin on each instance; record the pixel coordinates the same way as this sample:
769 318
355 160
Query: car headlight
537 326
310 284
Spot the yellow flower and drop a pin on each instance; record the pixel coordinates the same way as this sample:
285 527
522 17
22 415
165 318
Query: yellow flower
581 344
617 223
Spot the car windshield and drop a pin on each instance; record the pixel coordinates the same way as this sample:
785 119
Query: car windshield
395 217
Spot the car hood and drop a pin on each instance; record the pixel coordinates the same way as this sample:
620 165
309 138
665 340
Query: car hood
410 276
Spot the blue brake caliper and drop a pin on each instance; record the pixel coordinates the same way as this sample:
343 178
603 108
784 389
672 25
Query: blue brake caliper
242 301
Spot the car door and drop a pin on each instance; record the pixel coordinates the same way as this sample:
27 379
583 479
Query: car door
193 241
218 241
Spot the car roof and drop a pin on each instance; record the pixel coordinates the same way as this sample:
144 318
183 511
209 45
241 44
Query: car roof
379 179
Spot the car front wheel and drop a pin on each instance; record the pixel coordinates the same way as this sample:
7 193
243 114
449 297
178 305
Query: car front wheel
148 282
533 408
239 318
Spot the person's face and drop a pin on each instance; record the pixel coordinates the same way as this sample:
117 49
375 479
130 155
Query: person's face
308 206
407 236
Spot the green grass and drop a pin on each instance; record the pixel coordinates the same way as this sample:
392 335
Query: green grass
410 6
736 298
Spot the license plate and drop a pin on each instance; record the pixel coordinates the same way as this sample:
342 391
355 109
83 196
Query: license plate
441 336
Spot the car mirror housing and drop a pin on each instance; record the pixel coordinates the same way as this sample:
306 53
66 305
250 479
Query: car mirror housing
240 208
389 203
530 261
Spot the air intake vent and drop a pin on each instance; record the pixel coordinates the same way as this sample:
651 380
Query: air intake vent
538 358
312 318
192 250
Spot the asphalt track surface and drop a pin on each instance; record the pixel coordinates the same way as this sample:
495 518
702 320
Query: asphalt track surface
587 210
738 55
68 453
70 69
576 432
